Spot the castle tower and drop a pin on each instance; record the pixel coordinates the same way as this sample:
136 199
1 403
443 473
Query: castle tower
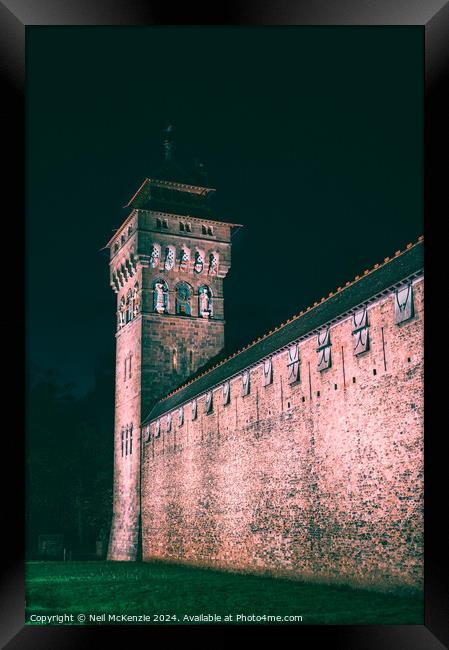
167 265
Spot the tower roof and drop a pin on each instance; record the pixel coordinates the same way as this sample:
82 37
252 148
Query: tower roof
143 195
172 188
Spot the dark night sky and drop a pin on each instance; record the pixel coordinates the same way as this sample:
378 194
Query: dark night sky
313 138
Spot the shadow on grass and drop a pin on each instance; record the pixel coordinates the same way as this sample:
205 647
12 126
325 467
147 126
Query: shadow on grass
159 588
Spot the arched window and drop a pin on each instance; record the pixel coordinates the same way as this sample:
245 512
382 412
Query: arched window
198 265
183 295
155 256
116 247
136 300
129 305
184 258
213 264
122 239
160 296
169 258
130 231
204 302
122 312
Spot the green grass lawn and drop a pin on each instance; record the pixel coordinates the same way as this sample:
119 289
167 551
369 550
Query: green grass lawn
157 588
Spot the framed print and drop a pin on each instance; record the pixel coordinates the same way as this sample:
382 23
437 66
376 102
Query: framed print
247 199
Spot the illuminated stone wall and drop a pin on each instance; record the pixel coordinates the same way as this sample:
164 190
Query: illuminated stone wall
321 479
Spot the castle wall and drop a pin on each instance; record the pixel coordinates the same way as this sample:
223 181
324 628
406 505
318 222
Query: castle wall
322 479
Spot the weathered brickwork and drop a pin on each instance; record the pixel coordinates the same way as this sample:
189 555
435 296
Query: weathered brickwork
320 479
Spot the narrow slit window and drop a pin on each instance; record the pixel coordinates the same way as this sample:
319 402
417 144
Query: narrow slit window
131 439
226 393
181 416
209 405
175 360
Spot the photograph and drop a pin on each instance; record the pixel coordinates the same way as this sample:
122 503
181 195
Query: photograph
225 353
227 421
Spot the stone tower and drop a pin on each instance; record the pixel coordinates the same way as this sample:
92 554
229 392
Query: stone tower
167 265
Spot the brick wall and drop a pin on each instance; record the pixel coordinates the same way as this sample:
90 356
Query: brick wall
322 479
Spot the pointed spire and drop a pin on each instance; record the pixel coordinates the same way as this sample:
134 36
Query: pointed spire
168 143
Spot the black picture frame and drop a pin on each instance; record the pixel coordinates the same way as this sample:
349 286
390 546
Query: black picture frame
433 16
